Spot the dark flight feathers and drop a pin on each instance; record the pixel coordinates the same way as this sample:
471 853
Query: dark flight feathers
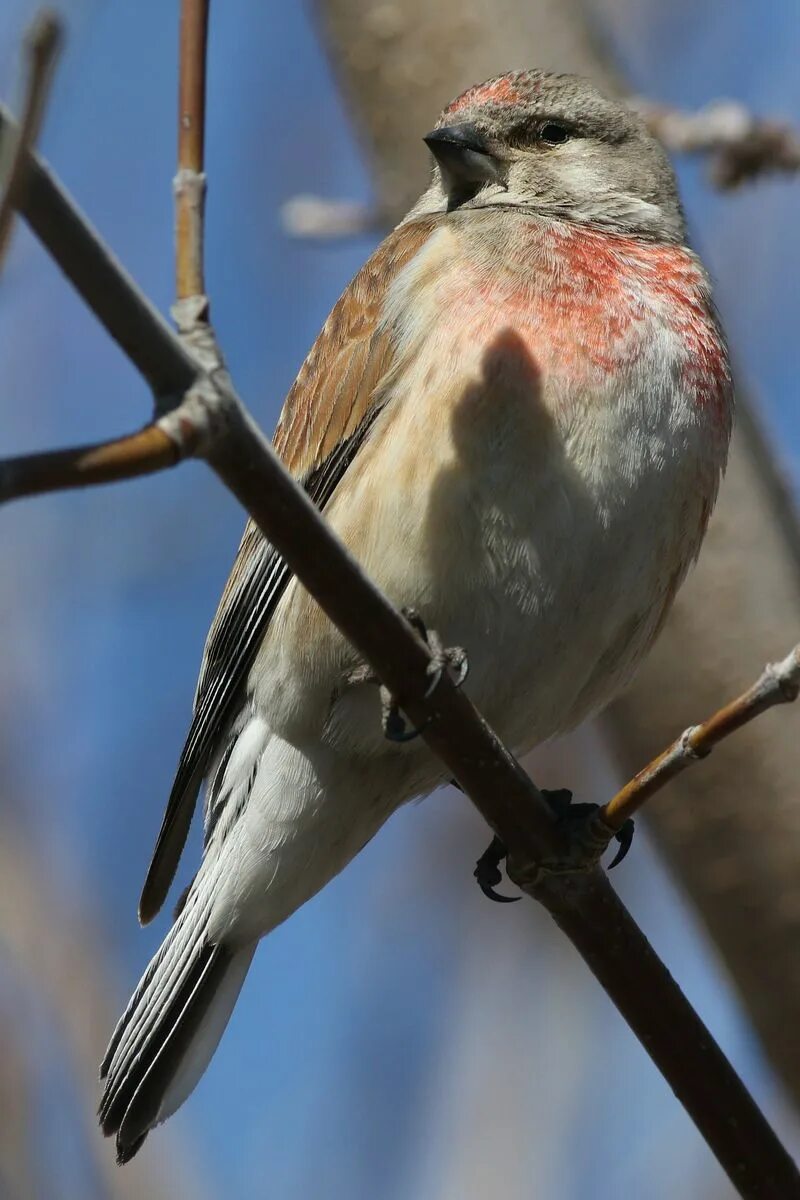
341 379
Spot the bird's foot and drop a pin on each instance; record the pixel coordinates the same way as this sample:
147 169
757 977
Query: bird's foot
488 874
588 836
587 839
451 658
443 658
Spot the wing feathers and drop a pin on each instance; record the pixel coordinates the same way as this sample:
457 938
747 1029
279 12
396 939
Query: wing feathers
327 415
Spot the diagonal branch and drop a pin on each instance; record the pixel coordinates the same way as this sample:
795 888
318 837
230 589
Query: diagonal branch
779 683
102 282
584 905
42 45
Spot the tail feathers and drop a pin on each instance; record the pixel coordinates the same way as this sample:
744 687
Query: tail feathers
169 1031
133 1107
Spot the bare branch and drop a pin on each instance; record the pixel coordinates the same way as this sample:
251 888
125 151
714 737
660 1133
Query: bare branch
779 683
317 217
42 44
99 278
142 453
741 147
190 181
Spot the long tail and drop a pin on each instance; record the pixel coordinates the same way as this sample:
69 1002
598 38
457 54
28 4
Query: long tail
169 1031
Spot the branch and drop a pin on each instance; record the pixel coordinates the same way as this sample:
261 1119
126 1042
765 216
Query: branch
190 181
42 44
741 147
307 216
99 278
779 683
584 905
142 453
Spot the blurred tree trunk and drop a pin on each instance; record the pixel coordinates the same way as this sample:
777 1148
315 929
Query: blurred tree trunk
399 63
49 945
731 827
17 1172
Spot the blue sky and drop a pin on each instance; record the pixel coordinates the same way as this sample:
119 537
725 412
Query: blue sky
337 1076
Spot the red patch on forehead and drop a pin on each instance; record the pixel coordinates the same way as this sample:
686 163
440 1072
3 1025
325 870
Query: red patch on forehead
503 90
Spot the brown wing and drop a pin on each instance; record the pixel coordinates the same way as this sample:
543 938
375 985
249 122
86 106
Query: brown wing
324 420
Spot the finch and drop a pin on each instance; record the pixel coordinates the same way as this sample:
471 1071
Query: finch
516 418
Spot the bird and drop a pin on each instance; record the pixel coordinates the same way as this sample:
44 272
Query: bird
516 418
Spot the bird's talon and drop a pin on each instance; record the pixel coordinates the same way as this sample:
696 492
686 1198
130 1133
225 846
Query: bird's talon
442 657
487 872
394 726
498 897
453 657
393 721
461 666
625 839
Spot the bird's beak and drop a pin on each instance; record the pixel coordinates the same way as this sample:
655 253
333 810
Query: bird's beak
464 157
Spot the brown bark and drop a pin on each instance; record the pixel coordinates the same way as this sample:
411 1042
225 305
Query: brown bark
732 827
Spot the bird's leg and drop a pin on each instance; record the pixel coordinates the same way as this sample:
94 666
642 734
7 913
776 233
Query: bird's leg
442 658
587 837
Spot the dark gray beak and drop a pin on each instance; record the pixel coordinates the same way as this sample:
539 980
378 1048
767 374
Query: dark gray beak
464 157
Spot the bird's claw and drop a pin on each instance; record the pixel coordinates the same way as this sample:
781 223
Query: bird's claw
588 835
487 872
625 838
587 839
442 658
393 721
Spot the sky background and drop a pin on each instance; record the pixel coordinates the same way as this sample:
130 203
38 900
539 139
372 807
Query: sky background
399 1037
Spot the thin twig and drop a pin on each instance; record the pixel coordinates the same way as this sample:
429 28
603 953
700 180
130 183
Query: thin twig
142 453
741 147
42 44
315 217
190 180
100 279
584 905
779 683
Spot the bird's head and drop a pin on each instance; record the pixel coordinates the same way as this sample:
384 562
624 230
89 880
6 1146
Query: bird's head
555 146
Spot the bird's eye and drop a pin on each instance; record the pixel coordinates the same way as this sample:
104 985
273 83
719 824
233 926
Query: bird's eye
553 134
